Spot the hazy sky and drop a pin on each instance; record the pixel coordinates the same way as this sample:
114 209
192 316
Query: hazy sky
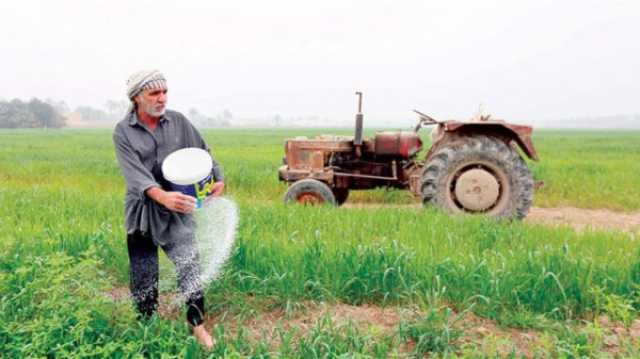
524 60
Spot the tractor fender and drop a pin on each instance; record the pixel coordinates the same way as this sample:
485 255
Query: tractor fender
451 130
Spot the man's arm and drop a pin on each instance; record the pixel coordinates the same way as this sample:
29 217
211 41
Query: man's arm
141 181
137 177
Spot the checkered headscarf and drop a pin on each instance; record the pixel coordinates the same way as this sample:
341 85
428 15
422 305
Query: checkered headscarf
144 80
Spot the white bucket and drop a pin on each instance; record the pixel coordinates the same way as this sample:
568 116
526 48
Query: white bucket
189 171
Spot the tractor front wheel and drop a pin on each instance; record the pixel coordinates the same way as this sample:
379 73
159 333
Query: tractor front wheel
478 175
309 192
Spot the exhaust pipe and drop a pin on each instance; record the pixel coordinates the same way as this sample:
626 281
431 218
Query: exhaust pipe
357 140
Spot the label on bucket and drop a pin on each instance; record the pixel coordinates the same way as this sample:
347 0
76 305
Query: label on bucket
189 171
198 190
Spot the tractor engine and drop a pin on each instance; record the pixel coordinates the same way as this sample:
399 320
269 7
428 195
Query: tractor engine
404 145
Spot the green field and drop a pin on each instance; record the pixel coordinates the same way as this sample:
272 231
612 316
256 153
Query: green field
63 248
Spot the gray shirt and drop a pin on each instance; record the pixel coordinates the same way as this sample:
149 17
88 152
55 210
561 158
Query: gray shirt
140 153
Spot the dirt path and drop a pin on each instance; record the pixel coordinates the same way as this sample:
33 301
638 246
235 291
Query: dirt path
475 332
577 218
581 219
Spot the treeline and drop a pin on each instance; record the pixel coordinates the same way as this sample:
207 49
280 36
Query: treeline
222 119
50 113
31 114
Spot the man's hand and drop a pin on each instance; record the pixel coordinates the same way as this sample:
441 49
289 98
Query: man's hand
178 202
174 201
217 189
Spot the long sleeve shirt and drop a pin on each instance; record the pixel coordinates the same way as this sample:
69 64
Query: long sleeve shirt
140 153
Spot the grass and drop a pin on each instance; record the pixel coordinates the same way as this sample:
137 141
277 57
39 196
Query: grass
63 245
588 169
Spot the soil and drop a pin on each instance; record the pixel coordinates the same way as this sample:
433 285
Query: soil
577 218
584 219
479 333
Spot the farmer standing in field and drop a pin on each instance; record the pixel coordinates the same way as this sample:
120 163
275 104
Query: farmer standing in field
154 216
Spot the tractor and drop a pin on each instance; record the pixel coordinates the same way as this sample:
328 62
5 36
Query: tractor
472 166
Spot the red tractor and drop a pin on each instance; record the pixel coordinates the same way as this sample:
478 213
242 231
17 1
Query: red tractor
472 166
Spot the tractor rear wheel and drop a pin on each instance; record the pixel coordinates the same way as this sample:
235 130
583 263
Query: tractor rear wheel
309 192
478 175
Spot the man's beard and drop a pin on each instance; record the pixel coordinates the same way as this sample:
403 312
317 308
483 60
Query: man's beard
150 110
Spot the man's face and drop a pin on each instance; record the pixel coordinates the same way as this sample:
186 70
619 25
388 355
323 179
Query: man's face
152 102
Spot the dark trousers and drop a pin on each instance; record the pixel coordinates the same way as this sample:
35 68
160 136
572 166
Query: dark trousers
143 266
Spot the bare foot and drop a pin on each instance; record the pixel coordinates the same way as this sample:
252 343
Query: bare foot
202 336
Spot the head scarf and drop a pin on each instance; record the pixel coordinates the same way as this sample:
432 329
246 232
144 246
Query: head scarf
144 80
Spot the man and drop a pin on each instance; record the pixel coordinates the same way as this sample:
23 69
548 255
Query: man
154 216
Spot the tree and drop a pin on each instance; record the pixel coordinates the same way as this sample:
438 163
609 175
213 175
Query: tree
61 107
201 120
197 118
116 109
92 114
226 115
32 114
277 120
14 114
45 115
